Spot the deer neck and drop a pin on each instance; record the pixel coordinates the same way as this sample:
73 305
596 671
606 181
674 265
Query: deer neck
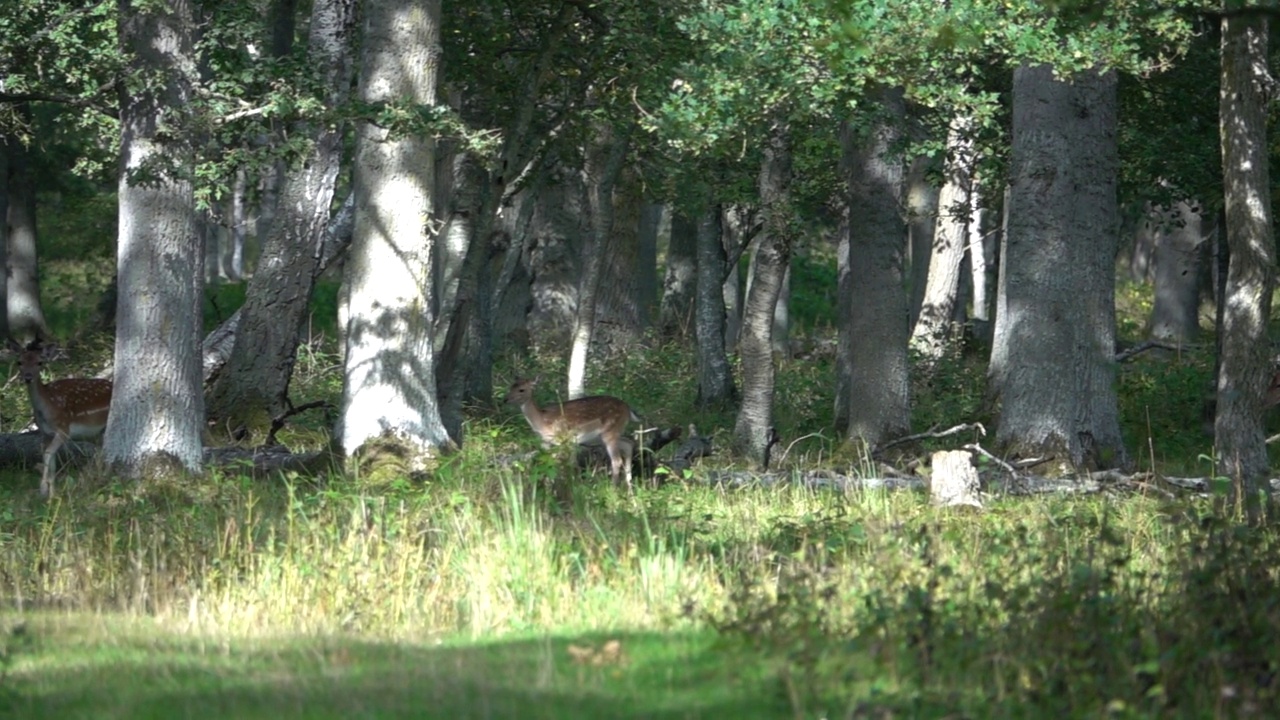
544 421
42 405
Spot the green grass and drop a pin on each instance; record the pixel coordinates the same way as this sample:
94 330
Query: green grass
85 667
493 587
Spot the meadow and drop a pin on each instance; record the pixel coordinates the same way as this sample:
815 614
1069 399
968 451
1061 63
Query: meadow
504 586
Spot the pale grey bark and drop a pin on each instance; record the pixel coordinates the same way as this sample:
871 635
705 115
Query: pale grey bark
389 388
934 331
211 241
878 312
602 165
1245 364
734 223
778 334
238 225
1179 249
253 390
982 243
715 378
555 259
753 429
25 315
157 407
1052 365
680 283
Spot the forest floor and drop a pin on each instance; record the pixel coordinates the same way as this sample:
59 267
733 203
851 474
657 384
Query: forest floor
514 588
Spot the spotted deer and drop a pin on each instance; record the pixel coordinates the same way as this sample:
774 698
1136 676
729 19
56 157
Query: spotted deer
68 409
584 420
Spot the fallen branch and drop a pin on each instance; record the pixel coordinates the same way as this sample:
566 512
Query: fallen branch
933 435
278 423
1142 347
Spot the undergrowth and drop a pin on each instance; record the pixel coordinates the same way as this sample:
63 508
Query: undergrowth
844 604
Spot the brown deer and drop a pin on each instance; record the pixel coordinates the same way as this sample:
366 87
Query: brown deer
584 420
70 409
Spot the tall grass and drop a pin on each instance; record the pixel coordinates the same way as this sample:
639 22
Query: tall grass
837 604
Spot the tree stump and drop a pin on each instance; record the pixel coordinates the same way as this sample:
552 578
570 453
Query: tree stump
954 480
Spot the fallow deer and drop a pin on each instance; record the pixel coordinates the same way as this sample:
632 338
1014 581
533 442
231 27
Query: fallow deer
583 420
68 409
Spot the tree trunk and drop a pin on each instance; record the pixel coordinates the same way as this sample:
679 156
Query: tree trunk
647 261
752 432
211 241
253 390
1175 314
602 166
679 286
7 148
922 220
778 334
620 317
389 387
934 330
463 337
733 222
983 243
844 314
1245 367
878 331
715 378
157 407
25 316
239 225
1052 365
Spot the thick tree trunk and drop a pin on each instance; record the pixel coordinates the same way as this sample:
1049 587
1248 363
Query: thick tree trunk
679 285
389 388
1175 314
602 166
157 408
878 330
254 388
715 378
1052 364
934 330
619 315
1245 363
753 430
25 316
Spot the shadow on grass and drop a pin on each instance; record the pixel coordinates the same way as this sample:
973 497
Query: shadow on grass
655 676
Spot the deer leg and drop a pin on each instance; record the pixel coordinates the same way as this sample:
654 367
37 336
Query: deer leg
620 450
50 464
